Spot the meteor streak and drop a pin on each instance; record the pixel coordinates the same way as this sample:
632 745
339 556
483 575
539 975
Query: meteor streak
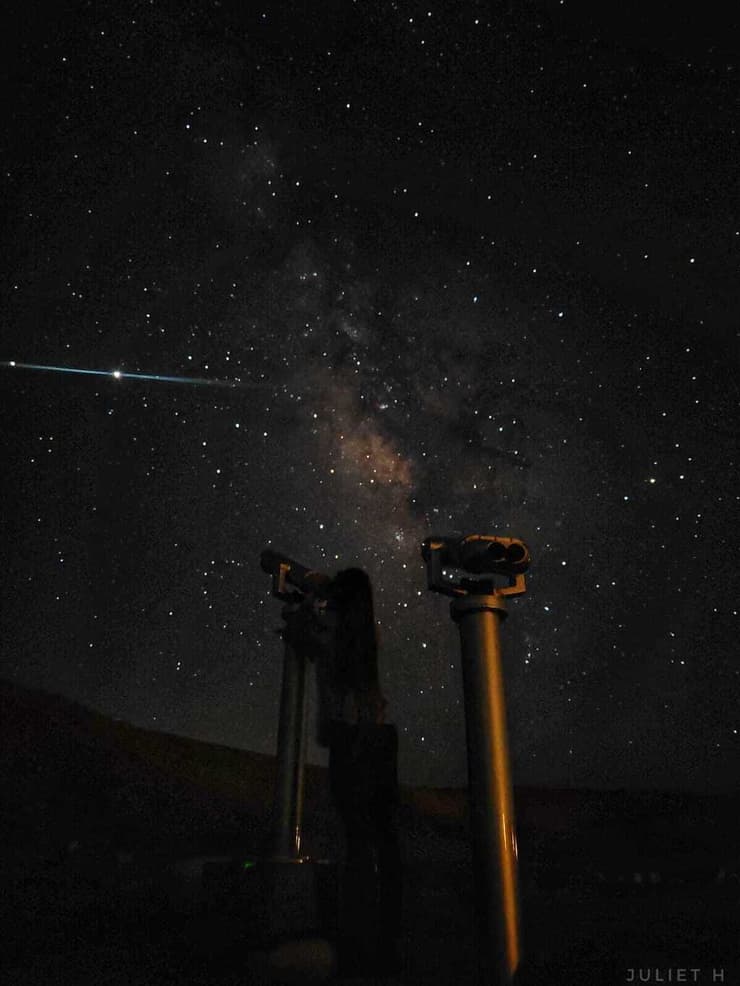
125 375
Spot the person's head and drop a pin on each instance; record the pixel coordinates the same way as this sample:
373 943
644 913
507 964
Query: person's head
351 589
351 595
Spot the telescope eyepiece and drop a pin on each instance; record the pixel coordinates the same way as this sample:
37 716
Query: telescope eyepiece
479 553
516 553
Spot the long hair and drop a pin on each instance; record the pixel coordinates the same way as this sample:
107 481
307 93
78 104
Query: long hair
357 639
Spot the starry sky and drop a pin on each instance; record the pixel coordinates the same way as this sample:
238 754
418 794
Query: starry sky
424 268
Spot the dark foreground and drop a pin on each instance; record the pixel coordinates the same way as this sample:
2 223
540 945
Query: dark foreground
62 931
106 877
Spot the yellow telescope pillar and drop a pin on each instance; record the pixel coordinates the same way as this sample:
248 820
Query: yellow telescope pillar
489 787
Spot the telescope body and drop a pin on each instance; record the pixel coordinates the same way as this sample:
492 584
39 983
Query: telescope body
285 571
479 553
478 607
490 795
287 812
287 808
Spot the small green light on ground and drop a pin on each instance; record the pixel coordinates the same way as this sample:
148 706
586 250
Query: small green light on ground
249 864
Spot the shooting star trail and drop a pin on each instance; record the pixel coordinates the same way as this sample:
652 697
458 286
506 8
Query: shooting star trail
125 375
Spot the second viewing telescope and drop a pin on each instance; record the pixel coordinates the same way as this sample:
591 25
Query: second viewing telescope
478 553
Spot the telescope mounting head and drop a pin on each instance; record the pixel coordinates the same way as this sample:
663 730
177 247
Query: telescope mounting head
280 587
291 581
477 554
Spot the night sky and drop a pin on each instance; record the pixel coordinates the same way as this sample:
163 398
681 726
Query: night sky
468 268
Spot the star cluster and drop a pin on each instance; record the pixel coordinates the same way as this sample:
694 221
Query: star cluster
468 271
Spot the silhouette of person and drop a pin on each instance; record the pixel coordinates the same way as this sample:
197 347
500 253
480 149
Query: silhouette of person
341 638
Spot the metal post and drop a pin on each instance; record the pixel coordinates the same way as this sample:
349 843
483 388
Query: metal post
287 808
490 790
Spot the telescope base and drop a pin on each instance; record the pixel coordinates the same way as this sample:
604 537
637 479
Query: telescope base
276 899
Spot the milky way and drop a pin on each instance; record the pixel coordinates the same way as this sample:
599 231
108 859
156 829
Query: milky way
451 273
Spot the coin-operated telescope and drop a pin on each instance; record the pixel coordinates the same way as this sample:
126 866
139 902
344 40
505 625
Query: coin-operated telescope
292 583
290 578
477 554
478 607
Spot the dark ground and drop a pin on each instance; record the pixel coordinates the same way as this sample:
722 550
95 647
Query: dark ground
586 936
105 829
